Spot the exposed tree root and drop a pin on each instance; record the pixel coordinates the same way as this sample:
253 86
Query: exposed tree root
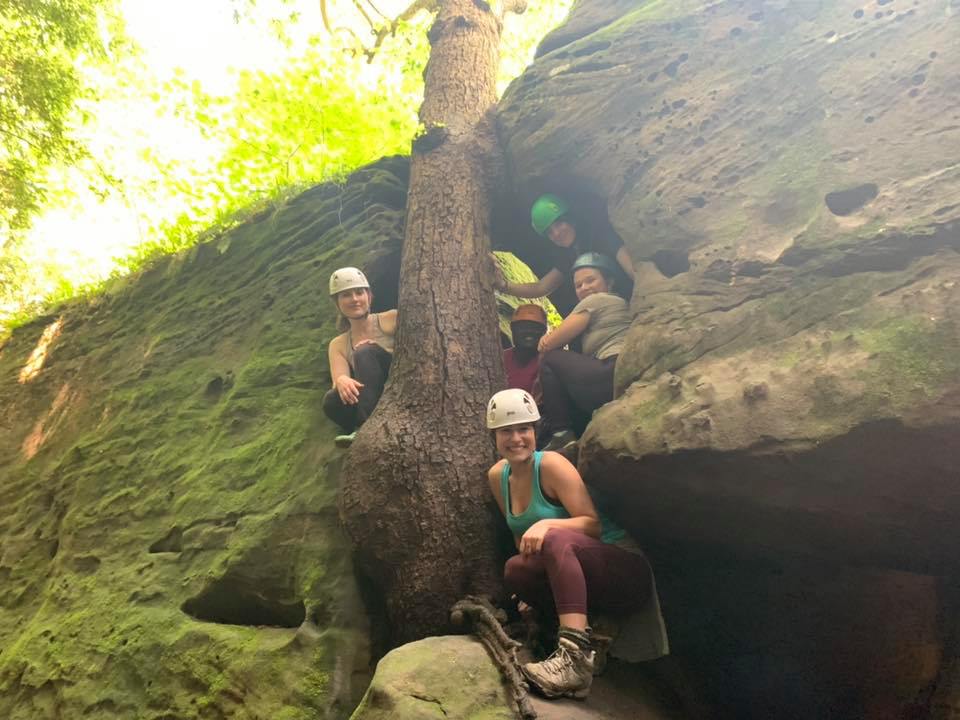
502 649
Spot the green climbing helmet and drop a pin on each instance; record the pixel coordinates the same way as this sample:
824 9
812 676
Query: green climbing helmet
594 260
546 211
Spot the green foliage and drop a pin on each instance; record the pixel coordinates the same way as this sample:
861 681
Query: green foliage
320 115
40 46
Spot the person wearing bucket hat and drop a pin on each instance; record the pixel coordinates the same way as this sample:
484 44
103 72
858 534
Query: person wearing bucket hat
568 238
574 384
360 356
522 361
572 558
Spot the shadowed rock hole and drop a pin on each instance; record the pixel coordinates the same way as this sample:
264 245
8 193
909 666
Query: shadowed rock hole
172 542
755 17
86 564
671 69
845 202
671 262
589 67
858 14
230 601
591 49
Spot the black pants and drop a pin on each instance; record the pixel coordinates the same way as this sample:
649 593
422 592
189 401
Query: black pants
371 366
573 385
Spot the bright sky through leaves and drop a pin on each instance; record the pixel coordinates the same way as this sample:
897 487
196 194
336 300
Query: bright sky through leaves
175 147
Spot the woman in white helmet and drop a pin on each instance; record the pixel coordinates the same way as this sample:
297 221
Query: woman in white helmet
360 356
571 556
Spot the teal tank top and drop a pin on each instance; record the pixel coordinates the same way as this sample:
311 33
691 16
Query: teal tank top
542 509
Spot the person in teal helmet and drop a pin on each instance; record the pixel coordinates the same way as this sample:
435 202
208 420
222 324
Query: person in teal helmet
574 384
572 558
568 238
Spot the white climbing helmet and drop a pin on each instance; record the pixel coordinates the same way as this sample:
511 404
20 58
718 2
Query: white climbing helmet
511 407
347 278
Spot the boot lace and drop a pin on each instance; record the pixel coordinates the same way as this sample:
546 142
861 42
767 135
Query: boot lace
558 661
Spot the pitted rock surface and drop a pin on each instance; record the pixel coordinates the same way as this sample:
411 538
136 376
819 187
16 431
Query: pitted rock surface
783 175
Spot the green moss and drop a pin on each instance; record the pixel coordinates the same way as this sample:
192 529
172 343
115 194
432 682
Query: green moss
915 352
241 473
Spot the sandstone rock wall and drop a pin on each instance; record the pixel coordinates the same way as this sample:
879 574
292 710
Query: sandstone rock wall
169 544
785 175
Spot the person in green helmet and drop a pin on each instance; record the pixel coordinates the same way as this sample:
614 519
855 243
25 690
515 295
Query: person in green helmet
568 238
574 384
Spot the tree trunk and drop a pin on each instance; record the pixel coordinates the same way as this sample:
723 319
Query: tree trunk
414 497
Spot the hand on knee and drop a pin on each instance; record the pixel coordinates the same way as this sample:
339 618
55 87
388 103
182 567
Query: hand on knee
557 539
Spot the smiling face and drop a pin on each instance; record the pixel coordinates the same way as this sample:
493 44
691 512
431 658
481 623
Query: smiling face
526 334
589 281
562 233
354 303
516 443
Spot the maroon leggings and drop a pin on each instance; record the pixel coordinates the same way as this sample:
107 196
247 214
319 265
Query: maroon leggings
575 568
573 382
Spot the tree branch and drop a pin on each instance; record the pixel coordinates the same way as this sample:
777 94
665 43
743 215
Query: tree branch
391 27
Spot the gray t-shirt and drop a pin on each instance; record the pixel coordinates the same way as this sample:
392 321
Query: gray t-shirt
609 320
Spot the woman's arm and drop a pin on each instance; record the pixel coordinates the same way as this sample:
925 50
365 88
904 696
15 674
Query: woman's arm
560 479
338 360
571 327
541 288
347 387
623 258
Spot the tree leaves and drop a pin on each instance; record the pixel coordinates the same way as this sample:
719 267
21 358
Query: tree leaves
39 84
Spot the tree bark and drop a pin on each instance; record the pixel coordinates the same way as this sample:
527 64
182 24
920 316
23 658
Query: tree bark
414 498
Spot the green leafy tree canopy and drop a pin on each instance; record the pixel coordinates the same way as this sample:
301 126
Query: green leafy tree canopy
41 43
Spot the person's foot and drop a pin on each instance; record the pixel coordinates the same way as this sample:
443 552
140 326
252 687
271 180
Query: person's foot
566 673
344 441
561 440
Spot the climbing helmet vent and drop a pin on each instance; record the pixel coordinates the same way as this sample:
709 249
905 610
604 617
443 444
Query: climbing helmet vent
511 407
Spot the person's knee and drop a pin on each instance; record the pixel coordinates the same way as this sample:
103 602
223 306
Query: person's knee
550 358
367 353
558 540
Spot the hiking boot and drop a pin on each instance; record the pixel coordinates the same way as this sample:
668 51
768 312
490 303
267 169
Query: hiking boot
566 673
344 441
561 441
601 646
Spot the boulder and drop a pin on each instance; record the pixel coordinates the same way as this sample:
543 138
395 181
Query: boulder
439 677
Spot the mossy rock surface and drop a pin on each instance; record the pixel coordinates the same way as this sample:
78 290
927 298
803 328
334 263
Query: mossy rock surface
439 677
170 540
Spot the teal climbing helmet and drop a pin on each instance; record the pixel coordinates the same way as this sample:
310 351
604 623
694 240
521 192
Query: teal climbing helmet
594 260
546 211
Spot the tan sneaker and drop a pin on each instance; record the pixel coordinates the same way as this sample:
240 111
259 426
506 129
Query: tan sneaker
566 673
